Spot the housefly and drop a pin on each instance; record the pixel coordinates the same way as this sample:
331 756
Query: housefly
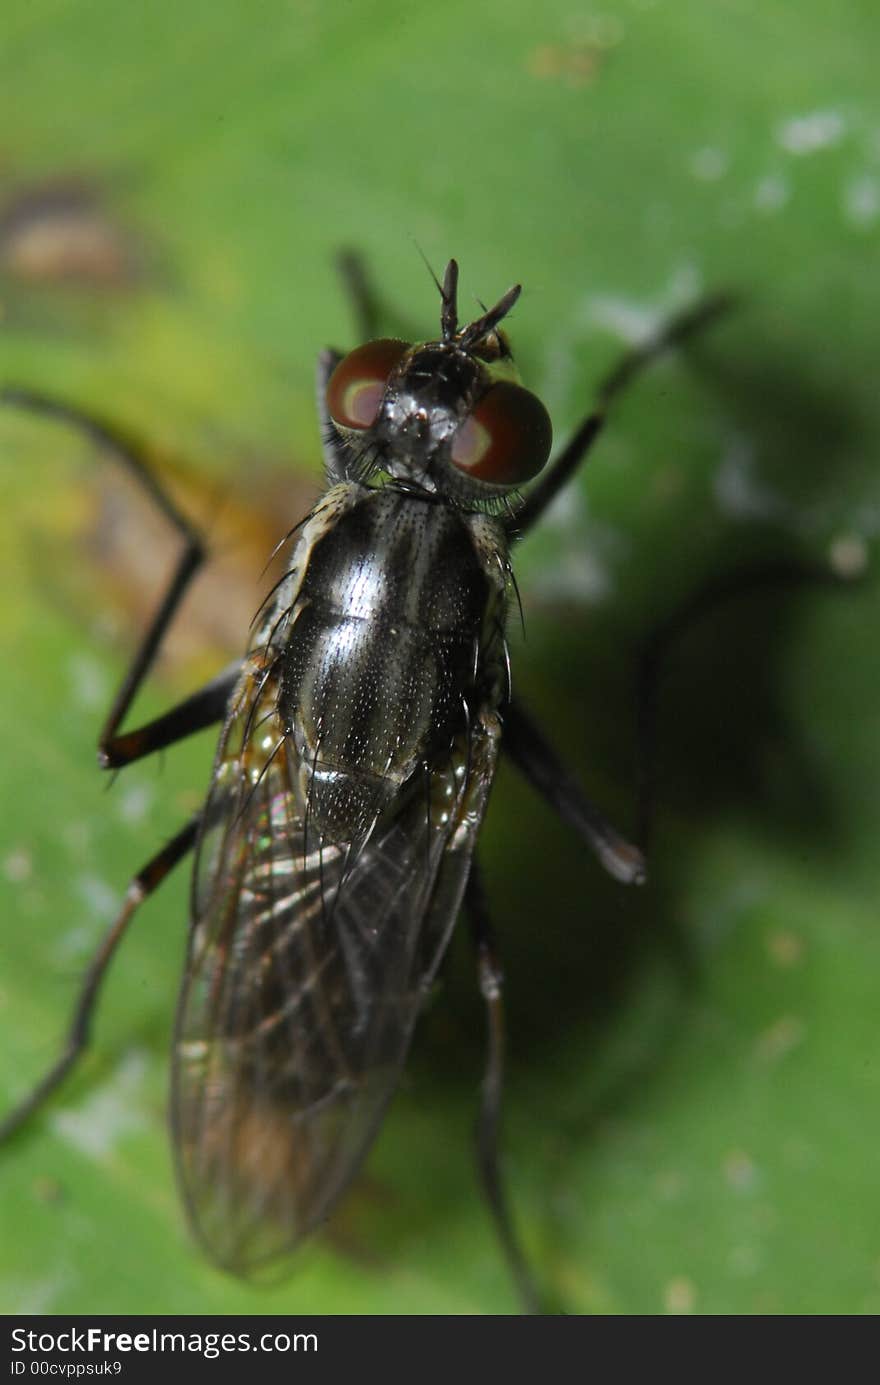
360 736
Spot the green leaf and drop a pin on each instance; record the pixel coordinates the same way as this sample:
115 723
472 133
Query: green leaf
692 1105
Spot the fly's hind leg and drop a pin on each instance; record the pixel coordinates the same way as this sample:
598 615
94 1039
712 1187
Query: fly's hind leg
488 1121
200 709
117 748
143 884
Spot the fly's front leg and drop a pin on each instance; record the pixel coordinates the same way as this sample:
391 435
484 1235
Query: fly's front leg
488 1121
361 294
682 327
374 316
143 884
532 753
339 462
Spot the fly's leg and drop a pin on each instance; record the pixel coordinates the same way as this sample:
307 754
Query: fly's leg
197 711
373 315
524 742
488 1121
143 884
532 753
202 708
339 462
675 333
360 293
115 750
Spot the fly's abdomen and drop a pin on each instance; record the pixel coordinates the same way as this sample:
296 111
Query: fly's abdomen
382 655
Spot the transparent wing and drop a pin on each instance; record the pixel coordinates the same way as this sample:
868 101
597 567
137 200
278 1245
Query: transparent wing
306 973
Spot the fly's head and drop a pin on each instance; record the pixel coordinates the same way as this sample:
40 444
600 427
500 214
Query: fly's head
446 417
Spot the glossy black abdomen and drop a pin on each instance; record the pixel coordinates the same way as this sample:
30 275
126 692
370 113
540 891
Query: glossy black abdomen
383 653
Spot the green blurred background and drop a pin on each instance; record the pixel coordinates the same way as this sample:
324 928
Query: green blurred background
692 1110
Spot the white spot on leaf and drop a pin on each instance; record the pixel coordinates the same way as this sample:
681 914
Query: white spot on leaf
101 898
97 1125
805 134
848 555
33 1296
576 576
18 865
861 201
636 321
135 802
738 491
88 683
708 164
679 1295
771 193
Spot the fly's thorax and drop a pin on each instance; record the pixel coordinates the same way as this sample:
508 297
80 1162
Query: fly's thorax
392 643
275 614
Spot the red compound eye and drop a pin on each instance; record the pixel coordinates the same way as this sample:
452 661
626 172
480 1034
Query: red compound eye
506 440
357 385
